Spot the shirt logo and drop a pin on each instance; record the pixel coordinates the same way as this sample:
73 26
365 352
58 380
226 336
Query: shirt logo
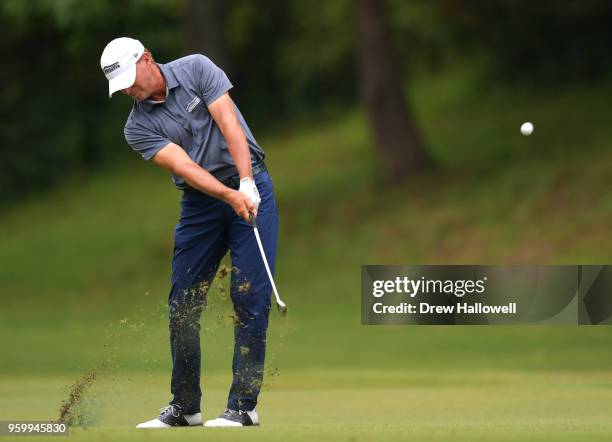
192 104
110 68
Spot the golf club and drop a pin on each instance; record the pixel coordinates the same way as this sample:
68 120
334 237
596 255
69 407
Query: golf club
282 307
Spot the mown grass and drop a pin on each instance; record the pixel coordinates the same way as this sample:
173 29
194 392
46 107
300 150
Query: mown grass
351 405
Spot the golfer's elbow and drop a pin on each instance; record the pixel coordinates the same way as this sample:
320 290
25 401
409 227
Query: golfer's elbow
173 158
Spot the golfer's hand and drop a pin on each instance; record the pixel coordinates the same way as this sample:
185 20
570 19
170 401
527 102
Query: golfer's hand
242 204
248 187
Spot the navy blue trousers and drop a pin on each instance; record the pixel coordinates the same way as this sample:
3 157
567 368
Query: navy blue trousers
207 229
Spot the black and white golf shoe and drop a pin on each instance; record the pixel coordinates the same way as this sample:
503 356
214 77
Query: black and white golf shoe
172 416
234 418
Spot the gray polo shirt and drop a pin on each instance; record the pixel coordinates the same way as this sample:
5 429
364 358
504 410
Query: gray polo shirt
193 83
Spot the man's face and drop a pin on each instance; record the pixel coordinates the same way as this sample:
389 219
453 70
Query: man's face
143 86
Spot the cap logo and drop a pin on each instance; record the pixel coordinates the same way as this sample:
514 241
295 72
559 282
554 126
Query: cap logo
110 68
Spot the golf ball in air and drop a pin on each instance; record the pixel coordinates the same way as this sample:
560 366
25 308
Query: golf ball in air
527 128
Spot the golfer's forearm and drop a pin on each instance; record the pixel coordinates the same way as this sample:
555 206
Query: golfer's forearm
224 113
200 179
239 150
176 160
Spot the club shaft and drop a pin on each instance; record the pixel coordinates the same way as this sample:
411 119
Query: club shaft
263 256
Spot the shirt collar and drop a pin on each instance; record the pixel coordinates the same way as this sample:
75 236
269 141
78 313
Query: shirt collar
171 83
171 80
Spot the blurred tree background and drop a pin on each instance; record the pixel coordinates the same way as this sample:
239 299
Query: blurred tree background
288 60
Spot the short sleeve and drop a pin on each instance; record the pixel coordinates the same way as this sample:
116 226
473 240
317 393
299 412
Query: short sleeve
143 140
210 79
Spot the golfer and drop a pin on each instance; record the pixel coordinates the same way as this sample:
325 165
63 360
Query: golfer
184 120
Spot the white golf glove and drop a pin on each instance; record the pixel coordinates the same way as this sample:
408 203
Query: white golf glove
248 187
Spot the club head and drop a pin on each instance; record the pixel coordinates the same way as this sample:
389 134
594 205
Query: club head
282 307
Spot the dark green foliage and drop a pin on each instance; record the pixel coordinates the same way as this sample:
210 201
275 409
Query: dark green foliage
287 60
547 42
290 58
57 117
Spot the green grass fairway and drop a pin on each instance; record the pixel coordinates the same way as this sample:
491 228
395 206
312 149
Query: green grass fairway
335 405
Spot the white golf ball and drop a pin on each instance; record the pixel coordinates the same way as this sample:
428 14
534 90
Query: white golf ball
527 128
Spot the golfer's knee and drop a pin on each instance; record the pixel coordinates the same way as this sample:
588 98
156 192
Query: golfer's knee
185 308
254 324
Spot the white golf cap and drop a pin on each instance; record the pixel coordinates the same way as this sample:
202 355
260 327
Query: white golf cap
118 62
